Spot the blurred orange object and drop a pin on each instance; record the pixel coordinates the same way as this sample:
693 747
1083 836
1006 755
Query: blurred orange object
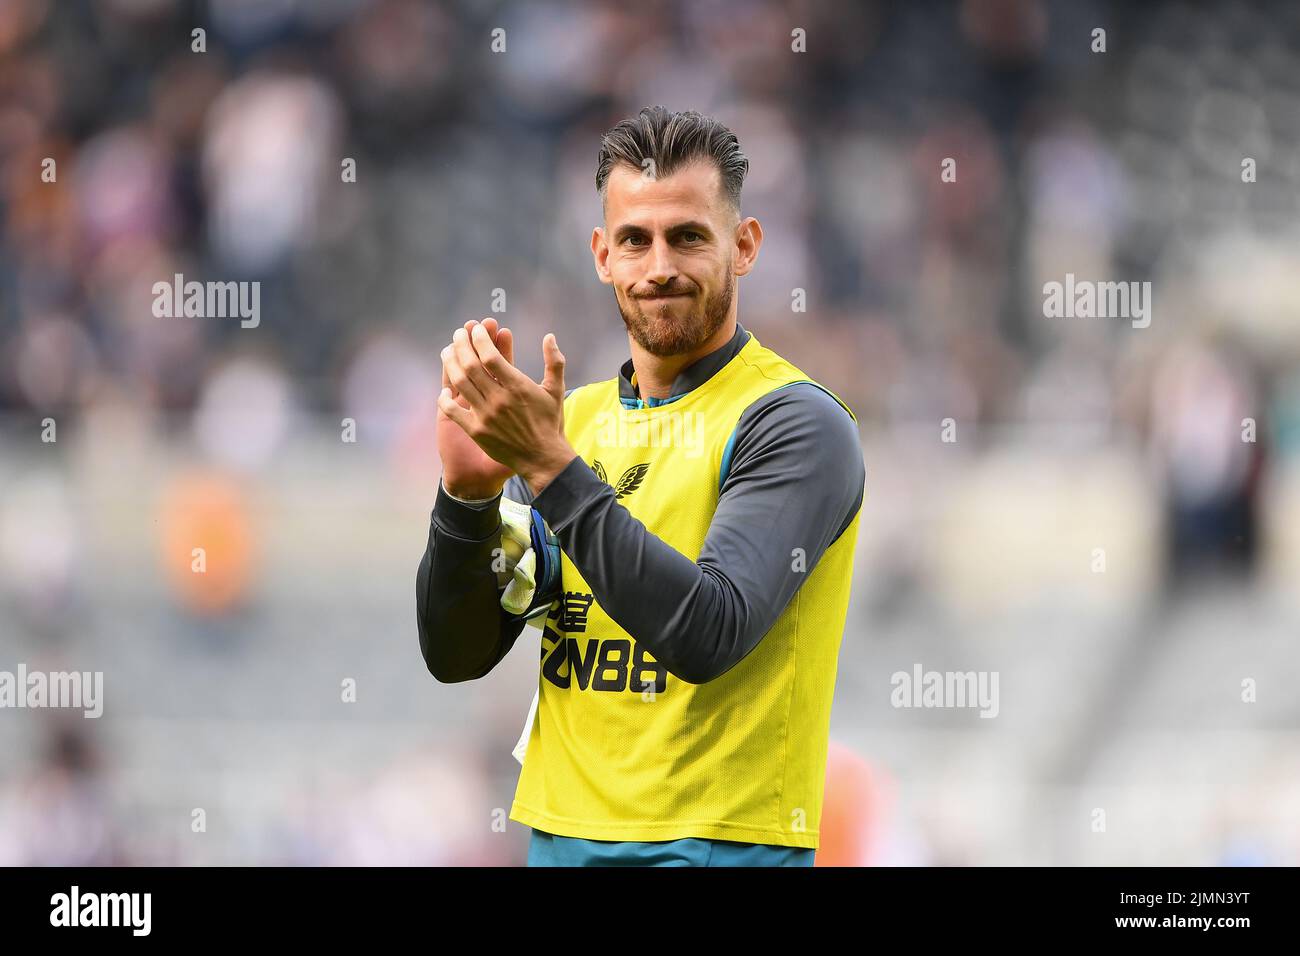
207 542
851 809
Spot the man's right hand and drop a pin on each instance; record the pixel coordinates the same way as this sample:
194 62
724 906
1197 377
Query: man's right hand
467 471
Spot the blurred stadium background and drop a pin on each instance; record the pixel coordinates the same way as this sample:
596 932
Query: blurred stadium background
1120 690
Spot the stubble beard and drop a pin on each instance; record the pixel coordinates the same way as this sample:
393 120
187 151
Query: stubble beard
658 332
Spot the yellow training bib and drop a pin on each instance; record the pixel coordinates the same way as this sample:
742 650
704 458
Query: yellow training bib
619 748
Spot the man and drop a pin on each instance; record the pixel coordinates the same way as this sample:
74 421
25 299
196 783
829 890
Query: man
689 656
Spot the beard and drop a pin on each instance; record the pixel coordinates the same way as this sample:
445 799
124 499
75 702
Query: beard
661 331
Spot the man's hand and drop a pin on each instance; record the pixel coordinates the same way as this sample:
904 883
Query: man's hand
514 420
467 471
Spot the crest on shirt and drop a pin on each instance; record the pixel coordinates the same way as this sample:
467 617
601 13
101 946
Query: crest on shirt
628 482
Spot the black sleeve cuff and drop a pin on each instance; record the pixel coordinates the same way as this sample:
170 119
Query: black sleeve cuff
572 490
469 522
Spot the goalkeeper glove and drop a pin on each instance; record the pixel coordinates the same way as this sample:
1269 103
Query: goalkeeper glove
529 579
529 574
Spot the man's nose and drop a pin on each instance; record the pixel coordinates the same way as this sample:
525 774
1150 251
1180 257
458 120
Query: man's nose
662 265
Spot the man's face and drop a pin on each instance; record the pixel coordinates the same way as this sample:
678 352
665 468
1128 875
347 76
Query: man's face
669 249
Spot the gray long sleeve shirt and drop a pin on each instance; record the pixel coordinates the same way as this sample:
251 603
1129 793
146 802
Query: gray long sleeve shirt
796 480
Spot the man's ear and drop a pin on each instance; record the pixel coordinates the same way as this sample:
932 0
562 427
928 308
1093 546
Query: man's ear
600 255
749 239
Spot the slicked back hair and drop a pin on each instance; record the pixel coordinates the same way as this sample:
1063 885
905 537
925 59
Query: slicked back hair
670 141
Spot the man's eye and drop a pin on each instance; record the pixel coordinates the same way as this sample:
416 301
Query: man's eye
692 237
634 240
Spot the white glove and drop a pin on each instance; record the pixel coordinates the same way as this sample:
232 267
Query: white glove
518 579
520 560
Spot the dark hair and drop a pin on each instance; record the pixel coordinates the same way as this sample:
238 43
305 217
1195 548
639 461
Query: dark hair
672 140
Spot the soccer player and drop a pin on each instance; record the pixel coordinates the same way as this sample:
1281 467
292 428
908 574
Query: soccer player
706 502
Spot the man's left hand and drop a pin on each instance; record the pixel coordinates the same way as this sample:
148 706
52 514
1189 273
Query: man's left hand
516 421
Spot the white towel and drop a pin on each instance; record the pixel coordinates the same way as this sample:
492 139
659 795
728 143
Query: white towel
522 747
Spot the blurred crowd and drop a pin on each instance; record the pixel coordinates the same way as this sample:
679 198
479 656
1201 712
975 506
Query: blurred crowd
474 164
133 149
